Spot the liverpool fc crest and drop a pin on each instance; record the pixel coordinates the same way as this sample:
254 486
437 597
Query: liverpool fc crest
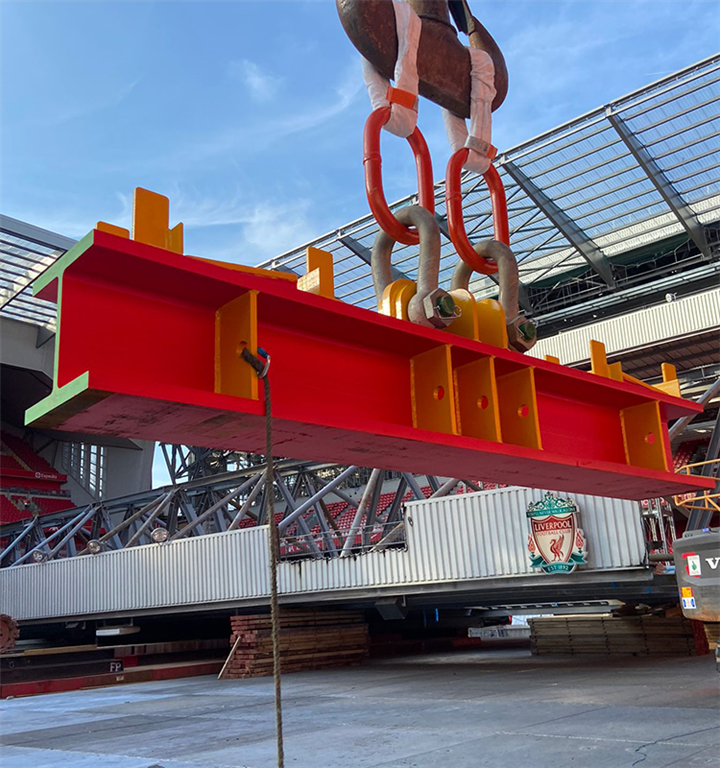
556 544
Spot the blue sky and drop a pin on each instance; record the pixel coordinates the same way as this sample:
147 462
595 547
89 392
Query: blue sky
248 115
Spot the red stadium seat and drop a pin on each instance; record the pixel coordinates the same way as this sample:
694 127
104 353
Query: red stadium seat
11 513
26 454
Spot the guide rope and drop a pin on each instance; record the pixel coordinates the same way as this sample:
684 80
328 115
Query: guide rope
261 367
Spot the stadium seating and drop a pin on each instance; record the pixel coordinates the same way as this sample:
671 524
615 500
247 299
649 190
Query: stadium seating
8 462
30 485
26 454
9 513
22 501
684 453
49 505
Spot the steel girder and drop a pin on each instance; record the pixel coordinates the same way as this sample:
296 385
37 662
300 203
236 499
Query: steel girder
159 361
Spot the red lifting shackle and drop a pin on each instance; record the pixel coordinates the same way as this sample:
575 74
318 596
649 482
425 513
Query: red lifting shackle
372 161
456 223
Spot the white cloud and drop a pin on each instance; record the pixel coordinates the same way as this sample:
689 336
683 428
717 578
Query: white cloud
253 231
274 229
266 228
269 131
261 130
262 85
262 229
88 107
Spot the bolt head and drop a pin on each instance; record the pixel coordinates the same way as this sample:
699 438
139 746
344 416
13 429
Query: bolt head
528 330
445 306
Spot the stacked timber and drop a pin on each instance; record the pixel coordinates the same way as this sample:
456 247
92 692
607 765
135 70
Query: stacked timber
712 633
645 635
308 640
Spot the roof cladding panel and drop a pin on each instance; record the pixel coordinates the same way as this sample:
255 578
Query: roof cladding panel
680 129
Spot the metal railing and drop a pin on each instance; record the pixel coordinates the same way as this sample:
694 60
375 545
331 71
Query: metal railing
700 506
367 538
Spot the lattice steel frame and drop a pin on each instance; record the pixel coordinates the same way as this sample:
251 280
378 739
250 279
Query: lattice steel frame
229 501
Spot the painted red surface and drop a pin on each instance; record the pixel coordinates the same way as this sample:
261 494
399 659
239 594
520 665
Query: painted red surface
141 321
372 163
139 675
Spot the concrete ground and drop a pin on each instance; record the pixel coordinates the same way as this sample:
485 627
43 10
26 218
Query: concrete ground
495 708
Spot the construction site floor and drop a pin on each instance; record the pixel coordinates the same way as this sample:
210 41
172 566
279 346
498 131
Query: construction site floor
495 708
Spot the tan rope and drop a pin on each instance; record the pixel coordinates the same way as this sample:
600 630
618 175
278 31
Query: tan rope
274 544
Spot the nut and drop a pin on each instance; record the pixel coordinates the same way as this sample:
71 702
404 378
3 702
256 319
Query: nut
436 309
522 334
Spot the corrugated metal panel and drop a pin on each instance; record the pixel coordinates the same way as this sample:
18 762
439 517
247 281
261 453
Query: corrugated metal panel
458 538
474 536
683 317
206 569
484 535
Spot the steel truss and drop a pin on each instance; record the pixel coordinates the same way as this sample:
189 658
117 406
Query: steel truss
313 504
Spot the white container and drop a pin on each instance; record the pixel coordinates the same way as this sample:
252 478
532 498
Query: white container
451 542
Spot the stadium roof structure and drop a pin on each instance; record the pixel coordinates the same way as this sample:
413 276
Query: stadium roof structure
584 200
26 251
624 195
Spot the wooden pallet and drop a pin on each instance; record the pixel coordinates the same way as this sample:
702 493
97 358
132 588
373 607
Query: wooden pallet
308 640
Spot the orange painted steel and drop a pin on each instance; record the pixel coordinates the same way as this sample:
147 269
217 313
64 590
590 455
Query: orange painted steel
456 222
372 162
147 349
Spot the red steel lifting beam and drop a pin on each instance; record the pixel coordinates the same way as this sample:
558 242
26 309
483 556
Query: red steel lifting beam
147 347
